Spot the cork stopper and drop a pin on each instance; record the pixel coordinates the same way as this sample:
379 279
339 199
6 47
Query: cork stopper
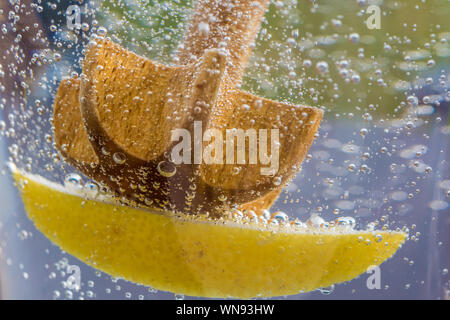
184 137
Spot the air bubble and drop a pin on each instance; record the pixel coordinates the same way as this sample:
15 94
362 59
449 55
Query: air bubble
348 222
356 78
280 216
277 181
327 291
179 296
102 31
315 221
354 37
73 180
363 132
119 158
166 169
92 188
322 67
412 101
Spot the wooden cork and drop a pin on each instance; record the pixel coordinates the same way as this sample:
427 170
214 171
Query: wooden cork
115 123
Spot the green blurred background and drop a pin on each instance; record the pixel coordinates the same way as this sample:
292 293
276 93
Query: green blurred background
369 71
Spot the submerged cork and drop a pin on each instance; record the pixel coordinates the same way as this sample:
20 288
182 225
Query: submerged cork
116 122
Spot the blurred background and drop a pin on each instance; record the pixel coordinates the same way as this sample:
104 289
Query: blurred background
382 155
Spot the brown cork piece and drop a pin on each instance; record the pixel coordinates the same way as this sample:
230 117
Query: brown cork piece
118 131
230 24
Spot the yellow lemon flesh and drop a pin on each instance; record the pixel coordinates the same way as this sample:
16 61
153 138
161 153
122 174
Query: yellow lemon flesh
199 258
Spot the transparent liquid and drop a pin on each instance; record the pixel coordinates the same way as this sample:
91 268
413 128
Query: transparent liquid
382 154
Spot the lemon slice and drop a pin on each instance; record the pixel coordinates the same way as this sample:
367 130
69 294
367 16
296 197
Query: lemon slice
199 258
